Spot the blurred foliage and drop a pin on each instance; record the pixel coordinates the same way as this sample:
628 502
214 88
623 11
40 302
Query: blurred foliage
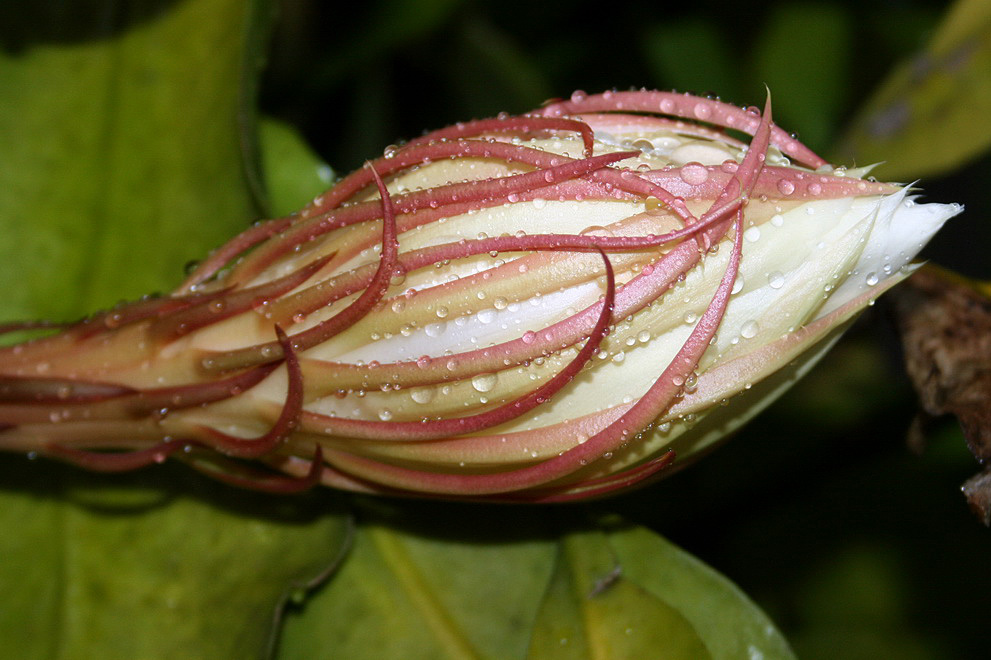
854 547
927 116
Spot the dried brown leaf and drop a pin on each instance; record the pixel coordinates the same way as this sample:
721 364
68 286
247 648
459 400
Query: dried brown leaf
945 323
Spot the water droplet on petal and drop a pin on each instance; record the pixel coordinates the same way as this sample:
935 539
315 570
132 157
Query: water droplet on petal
422 394
786 187
749 329
435 329
484 382
694 173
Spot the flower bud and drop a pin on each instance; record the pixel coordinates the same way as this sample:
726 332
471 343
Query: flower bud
539 307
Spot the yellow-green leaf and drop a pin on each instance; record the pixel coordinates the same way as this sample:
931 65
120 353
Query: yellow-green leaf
930 116
429 581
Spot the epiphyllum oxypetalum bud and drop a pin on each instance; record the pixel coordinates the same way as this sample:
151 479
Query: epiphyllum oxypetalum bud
543 307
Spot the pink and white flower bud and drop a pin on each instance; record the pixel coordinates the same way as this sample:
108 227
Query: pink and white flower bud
542 307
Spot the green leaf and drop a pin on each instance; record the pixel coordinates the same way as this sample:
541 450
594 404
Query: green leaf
433 581
294 174
122 157
156 564
729 623
929 116
593 611
465 584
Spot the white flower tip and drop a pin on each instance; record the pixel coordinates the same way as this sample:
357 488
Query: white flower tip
901 228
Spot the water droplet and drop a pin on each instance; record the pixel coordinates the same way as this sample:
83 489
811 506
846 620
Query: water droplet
442 312
786 187
486 315
398 306
694 173
737 284
752 234
702 111
435 329
777 220
872 279
578 96
422 394
815 189
390 151
385 414
619 357
775 279
749 329
484 382
500 303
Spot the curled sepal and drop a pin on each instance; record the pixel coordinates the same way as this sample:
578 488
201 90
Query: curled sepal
288 419
115 461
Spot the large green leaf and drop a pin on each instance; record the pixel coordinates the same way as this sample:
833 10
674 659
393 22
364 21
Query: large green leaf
437 582
158 564
122 146
592 610
122 159
930 115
